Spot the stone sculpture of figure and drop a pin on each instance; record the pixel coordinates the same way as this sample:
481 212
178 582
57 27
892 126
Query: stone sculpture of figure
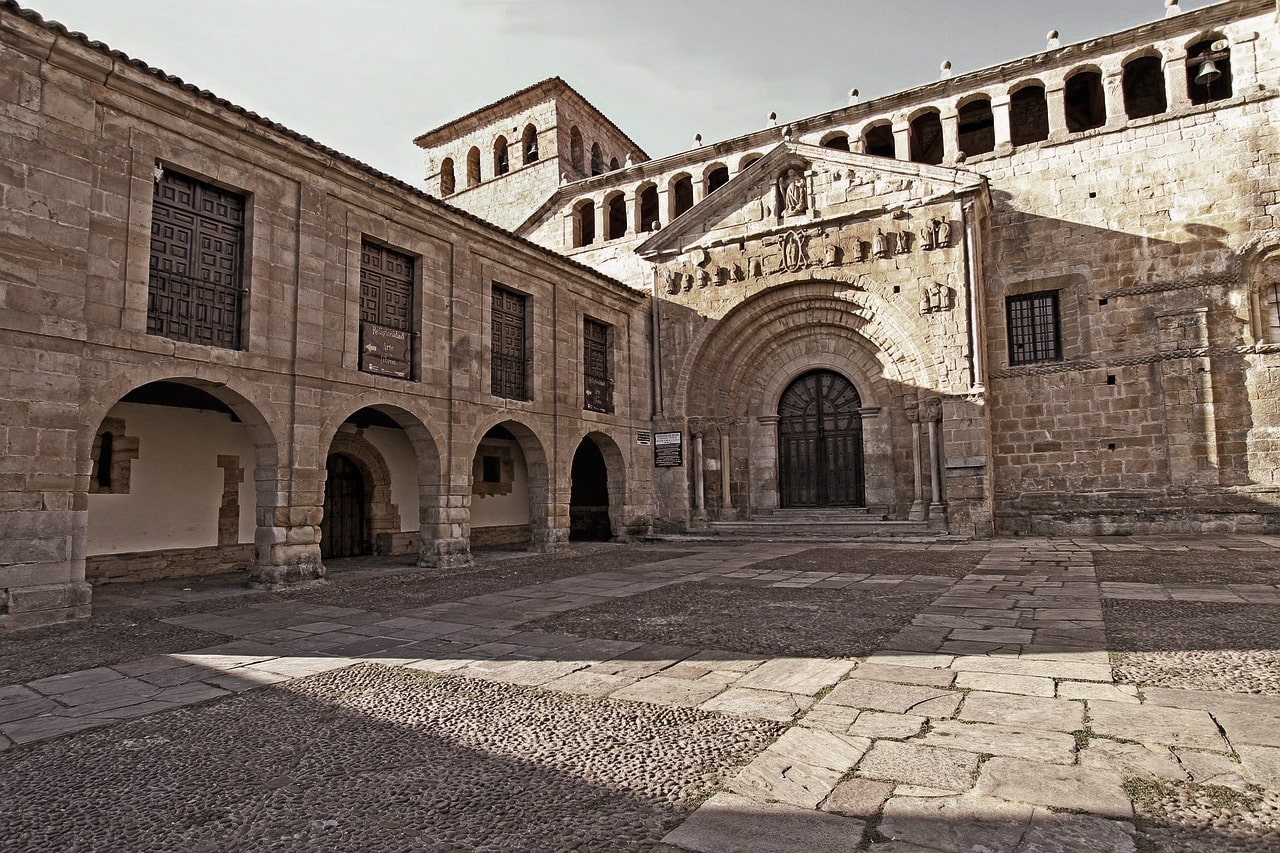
927 236
943 227
881 244
831 256
904 241
931 410
673 281
791 190
935 297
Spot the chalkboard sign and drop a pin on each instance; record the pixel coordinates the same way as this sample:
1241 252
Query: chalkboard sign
668 449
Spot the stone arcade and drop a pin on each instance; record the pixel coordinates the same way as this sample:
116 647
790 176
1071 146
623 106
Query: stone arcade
1039 297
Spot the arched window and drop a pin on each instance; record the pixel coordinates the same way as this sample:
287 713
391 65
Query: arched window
597 159
1270 298
926 138
615 222
1085 102
1209 70
102 465
838 141
977 128
717 178
878 141
747 160
575 149
473 167
1028 116
613 164
446 177
649 220
681 192
1143 85
584 223
501 165
529 144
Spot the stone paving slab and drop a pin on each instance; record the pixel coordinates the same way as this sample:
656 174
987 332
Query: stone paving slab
894 698
677 692
1153 724
1076 671
954 823
986 738
797 675
1026 712
758 704
858 797
1082 789
731 823
904 674
1263 764
1024 685
916 764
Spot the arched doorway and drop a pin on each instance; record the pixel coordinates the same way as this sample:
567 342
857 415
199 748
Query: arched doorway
344 528
589 495
820 443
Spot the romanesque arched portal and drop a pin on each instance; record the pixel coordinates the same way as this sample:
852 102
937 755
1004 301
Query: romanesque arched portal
820 442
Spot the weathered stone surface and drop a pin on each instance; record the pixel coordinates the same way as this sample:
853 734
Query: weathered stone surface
1028 712
1051 746
1054 832
759 704
729 823
1074 788
913 764
967 822
1024 685
796 675
1153 724
658 690
895 698
858 797
904 674
1263 764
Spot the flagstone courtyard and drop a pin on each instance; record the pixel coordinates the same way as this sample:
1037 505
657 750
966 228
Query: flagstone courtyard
1111 694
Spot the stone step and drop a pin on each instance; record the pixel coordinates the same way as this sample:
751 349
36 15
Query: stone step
816 529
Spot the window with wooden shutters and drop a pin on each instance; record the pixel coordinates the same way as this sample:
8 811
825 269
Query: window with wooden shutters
1033 328
195 286
595 367
510 357
386 311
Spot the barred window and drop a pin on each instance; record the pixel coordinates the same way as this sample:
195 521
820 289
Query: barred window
1271 301
194 289
1033 327
595 367
510 357
386 311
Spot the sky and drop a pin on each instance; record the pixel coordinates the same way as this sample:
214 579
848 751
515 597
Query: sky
367 76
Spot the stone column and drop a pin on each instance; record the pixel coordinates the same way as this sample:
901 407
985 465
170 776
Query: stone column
727 510
973 278
630 203
287 547
931 411
1113 89
1055 100
950 136
918 509
901 138
1175 81
445 532
699 485
1002 119
601 216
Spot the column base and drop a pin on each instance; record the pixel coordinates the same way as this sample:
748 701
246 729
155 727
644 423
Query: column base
45 604
918 512
938 517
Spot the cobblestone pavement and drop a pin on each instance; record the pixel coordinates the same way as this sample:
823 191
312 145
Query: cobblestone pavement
991 718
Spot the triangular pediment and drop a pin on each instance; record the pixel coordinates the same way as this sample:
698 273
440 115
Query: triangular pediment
796 185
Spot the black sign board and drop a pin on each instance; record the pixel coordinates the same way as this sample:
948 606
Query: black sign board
668 449
384 350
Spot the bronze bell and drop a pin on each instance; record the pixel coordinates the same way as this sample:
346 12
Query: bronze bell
1208 73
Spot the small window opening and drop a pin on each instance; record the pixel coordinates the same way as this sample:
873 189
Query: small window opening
597 160
616 219
840 142
446 177
879 142
649 218
1209 71
501 165
1111 445
717 178
492 469
1085 101
1028 116
1143 85
747 161
681 195
977 128
103 473
926 138
473 167
1271 298
1033 327
613 164
529 144
584 224
575 149
1102 302
1111 379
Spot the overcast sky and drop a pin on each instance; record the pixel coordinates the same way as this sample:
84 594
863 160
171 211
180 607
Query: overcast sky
367 76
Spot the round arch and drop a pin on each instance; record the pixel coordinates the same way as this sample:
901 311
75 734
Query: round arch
548 511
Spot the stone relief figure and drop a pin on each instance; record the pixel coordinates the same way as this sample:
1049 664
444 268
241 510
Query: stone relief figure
831 256
943 229
881 244
673 281
791 193
927 235
795 251
904 241
931 410
858 251
935 297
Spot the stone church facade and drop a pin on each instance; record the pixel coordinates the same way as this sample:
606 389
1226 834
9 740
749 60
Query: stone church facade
1040 297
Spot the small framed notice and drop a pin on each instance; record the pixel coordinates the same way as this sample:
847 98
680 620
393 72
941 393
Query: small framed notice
644 438
668 449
